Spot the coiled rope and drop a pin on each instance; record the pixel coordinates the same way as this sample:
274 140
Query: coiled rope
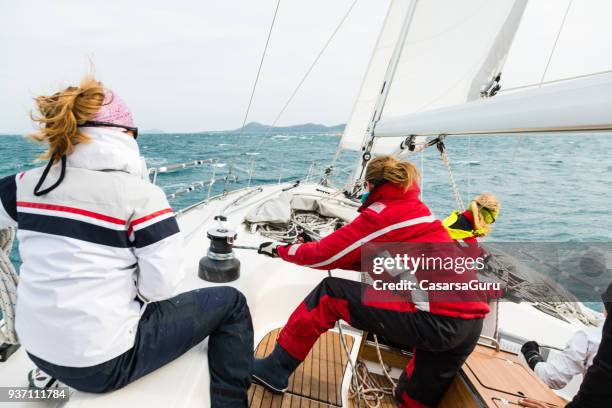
8 288
368 388
310 222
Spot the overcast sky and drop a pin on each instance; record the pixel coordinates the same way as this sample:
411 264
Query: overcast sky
189 65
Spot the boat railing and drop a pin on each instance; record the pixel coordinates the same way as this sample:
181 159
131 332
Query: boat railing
170 168
232 176
195 186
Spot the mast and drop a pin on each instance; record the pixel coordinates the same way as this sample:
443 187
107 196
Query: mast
368 140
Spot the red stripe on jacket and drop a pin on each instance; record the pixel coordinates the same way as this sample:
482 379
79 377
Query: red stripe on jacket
71 210
147 218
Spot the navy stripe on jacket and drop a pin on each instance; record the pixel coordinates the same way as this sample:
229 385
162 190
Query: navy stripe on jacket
155 232
8 196
77 229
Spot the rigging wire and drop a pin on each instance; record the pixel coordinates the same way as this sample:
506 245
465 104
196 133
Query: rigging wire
552 51
422 176
549 60
248 109
469 168
306 75
516 88
550 56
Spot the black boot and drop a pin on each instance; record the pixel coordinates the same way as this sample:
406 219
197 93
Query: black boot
273 371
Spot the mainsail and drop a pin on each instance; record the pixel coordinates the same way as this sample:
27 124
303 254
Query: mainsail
448 55
452 50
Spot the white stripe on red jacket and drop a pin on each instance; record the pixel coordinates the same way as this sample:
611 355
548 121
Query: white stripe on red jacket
390 215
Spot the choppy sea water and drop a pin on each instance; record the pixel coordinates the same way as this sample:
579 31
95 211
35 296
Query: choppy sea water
552 188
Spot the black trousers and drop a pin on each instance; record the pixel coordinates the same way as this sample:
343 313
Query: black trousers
440 344
166 331
596 388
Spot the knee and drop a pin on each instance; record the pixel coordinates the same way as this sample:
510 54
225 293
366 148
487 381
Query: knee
332 287
240 299
224 297
322 289
329 283
234 297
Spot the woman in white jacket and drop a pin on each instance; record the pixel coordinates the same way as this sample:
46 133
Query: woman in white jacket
97 300
576 357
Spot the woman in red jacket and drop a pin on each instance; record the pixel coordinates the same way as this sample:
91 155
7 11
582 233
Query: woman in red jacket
442 332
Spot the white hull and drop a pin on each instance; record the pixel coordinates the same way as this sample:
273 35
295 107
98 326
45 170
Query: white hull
273 288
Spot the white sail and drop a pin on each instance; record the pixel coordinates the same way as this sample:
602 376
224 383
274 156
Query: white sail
451 51
583 104
374 78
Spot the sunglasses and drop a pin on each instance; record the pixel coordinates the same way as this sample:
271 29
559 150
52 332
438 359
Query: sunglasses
93 123
491 214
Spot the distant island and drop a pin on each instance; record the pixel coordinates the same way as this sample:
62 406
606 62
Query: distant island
255 127
152 132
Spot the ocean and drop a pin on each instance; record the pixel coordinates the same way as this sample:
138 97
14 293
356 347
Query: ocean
554 188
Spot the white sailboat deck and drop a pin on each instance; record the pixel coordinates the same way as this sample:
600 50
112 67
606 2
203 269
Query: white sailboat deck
273 288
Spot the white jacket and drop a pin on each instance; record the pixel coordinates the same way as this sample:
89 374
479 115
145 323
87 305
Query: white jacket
89 247
575 359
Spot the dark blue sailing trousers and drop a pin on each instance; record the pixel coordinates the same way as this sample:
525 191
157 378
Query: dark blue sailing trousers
167 330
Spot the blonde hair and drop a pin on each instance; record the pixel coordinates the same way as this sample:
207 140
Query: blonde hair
60 115
488 201
388 168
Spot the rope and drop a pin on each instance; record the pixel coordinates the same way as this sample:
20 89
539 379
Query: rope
446 161
380 360
496 332
555 302
366 388
310 222
246 114
8 288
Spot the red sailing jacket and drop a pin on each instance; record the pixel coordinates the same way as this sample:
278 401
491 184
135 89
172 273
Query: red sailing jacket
389 215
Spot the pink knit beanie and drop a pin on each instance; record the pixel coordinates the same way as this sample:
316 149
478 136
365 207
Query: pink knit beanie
114 110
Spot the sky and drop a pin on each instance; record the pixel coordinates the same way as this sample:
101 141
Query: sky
584 44
189 65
